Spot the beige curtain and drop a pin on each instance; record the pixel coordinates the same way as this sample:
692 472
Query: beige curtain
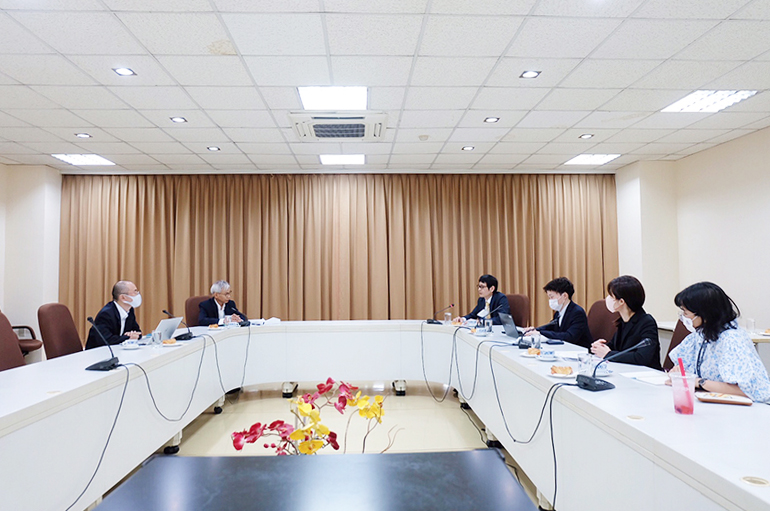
306 247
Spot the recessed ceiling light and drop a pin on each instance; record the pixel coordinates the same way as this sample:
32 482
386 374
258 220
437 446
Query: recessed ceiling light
709 100
333 98
491 120
592 159
213 148
82 135
468 148
343 159
178 119
586 135
529 74
83 159
124 71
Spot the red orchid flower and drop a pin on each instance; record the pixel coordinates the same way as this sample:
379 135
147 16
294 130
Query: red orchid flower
323 388
341 403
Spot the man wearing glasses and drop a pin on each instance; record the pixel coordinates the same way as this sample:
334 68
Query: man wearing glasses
220 308
491 302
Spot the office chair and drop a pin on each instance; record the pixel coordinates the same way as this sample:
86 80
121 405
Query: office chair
520 308
680 332
601 322
10 352
57 328
192 309
27 344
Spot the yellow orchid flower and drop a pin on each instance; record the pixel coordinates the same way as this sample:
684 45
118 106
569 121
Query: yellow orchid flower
315 416
304 408
353 401
322 429
310 446
298 434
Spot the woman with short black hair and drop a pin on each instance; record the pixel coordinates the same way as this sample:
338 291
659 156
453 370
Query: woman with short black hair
717 351
625 295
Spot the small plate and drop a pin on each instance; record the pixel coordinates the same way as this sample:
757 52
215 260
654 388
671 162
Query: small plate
171 345
563 376
546 359
130 346
527 355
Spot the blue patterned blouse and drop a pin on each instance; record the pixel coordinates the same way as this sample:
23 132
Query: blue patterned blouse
731 359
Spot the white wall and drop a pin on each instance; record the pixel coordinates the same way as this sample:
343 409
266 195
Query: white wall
32 205
3 193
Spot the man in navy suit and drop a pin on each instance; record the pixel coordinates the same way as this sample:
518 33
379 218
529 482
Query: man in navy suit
220 305
117 321
491 301
570 323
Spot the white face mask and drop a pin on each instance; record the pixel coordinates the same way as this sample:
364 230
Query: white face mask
610 302
136 301
554 304
687 322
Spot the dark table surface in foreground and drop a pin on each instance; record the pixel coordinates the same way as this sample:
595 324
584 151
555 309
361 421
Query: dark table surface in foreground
467 480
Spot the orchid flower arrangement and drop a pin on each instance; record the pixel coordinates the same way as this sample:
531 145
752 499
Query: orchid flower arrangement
310 435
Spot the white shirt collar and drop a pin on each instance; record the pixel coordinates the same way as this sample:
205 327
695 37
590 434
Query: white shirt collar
123 313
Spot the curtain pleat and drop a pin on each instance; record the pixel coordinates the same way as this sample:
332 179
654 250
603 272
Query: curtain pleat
320 247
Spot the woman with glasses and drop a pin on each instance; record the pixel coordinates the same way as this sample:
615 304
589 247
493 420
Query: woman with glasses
717 351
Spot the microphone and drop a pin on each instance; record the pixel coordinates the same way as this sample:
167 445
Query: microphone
104 365
595 384
181 337
433 320
245 322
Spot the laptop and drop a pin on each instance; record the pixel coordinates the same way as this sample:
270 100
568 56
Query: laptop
509 325
167 327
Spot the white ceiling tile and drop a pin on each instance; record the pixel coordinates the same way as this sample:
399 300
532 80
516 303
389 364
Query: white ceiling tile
472 36
109 147
366 147
190 168
561 37
609 73
176 159
205 71
242 118
755 10
140 134
523 148
277 34
43 70
9 121
13 148
562 148
15 39
572 135
508 98
52 5
226 98
731 40
448 71
608 120
481 147
615 147
576 99
656 148
402 159
311 161
8 161
35 159
684 74
482 7
410 147
130 159
638 135
210 136
81 33
202 148
458 158
749 76
548 159
154 5
267 5
272 159
391 6
281 118
691 136
727 120
289 71
179 33
430 118
552 72
21 97
652 39
155 98
533 134
161 147
255 135
376 159
7 80
115 118
91 97
730 135
24 134
503 159
47 118
669 120
695 148
282 98
100 68
551 119
617 8
644 100
473 135
475 118
386 98
371 71
708 9
159 168
162 118
760 124
315 148
439 98
413 135
254 148
68 133
364 34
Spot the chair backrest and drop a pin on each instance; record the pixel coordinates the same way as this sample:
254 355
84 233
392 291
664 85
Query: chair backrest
680 332
519 309
192 309
10 353
601 322
57 328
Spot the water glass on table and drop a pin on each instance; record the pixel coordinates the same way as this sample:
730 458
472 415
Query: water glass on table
156 338
447 318
683 390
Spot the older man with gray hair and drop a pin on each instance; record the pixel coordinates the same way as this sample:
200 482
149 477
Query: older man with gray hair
215 309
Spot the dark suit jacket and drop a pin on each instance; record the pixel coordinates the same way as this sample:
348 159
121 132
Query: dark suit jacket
108 322
640 326
573 328
498 300
209 312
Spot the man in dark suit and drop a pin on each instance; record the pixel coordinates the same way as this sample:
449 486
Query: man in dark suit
220 305
117 321
570 323
491 301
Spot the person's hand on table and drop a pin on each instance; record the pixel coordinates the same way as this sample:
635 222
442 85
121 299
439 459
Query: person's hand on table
529 330
458 319
134 335
599 348
235 318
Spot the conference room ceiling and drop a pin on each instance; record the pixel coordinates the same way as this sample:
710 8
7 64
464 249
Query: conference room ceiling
437 68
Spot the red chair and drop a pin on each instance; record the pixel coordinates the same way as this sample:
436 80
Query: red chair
601 322
680 332
60 336
192 309
27 344
10 352
520 308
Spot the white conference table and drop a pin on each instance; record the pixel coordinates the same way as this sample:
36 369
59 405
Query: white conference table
622 449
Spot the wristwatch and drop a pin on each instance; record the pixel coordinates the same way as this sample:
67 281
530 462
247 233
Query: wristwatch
701 381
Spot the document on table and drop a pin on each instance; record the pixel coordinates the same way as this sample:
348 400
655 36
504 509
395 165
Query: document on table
651 377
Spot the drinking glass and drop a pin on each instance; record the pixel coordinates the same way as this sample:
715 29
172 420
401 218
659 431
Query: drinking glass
683 389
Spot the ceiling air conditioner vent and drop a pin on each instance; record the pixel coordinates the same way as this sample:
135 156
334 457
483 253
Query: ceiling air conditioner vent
365 126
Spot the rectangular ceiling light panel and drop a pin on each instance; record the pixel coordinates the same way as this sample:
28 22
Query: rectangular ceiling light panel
709 101
83 159
592 159
343 159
